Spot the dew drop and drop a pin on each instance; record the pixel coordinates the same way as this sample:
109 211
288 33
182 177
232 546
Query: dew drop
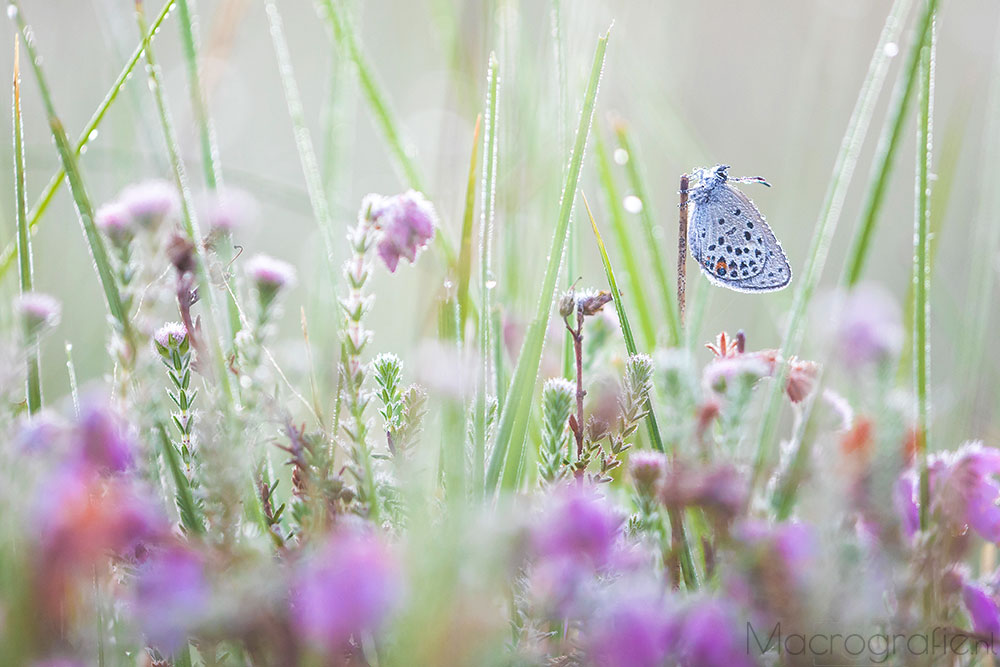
490 284
11 11
632 204
448 284
891 49
621 156
93 135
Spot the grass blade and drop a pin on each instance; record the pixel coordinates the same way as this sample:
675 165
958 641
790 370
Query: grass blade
885 155
491 150
624 241
205 288
921 264
676 518
24 259
465 245
84 208
345 34
637 183
88 135
843 171
511 430
303 140
206 132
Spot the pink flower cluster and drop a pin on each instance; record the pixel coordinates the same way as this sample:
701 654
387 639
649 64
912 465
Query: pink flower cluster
405 224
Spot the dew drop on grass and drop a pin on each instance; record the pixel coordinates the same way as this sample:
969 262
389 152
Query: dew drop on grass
891 49
93 135
11 11
490 284
621 156
632 204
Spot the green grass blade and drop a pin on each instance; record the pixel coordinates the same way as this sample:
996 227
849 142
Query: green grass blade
210 165
206 132
24 260
921 265
624 240
345 34
84 208
636 181
676 519
511 430
465 245
206 290
303 139
88 135
491 150
826 225
885 155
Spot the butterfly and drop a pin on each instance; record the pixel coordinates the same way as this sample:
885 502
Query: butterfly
730 239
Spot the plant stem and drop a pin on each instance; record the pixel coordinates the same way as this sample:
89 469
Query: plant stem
921 265
682 232
33 388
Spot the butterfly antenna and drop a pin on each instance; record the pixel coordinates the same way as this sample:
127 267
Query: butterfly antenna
750 179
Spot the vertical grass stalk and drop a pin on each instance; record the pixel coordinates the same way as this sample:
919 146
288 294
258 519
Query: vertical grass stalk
33 388
624 240
486 279
88 134
81 199
921 264
517 403
886 152
826 225
677 528
205 287
634 172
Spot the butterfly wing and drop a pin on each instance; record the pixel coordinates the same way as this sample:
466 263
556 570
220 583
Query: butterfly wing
734 246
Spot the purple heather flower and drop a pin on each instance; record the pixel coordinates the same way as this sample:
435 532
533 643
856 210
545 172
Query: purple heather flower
867 326
578 525
115 221
710 633
41 433
630 631
227 209
964 489
349 585
406 223
171 593
269 273
171 333
40 311
904 499
983 610
789 546
150 202
103 440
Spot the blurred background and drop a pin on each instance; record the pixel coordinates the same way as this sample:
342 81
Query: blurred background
765 86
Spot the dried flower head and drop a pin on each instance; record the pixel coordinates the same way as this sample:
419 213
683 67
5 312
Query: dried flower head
405 224
150 202
39 311
647 468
